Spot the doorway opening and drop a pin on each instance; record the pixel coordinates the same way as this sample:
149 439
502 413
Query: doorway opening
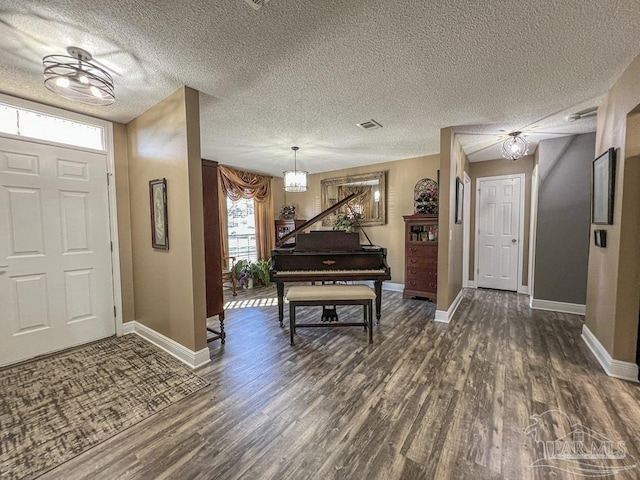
499 242
60 273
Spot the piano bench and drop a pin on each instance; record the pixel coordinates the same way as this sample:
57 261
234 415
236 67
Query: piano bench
323 295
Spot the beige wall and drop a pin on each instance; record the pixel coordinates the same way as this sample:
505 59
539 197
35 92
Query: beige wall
124 220
169 285
492 168
278 193
628 295
196 219
401 178
453 162
613 282
444 222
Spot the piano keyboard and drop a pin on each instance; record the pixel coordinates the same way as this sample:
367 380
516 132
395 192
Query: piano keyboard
330 272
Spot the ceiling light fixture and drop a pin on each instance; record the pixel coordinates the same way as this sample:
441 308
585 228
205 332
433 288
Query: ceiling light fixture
75 78
515 147
295 180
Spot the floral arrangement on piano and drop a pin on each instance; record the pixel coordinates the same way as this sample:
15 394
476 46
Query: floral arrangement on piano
347 222
425 196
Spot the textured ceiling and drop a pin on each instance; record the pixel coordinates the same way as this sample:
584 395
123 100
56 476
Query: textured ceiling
303 72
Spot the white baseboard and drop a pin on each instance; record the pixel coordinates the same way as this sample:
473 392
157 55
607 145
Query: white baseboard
128 327
388 286
613 368
524 289
182 353
563 307
393 287
471 284
445 317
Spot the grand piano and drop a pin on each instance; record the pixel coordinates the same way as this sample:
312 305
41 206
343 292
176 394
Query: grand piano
326 255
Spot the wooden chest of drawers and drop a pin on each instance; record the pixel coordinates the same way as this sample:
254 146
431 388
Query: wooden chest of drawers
421 256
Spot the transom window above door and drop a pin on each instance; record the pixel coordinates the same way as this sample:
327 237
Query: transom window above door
41 126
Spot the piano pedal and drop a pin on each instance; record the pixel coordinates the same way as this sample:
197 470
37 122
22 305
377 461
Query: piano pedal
329 315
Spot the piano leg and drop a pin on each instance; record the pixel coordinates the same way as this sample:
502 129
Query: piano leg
280 288
378 288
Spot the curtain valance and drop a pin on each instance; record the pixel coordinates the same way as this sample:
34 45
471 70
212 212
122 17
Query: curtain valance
237 184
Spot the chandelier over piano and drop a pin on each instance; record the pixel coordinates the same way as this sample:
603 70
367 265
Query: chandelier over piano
295 180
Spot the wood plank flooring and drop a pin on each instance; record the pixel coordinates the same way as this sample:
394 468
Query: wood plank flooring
425 401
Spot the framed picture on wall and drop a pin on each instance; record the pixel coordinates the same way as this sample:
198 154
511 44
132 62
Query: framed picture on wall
159 220
603 184
459 199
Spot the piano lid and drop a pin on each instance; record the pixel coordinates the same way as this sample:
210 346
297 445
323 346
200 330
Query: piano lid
317 218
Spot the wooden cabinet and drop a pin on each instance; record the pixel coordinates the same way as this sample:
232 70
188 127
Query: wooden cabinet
212 247
420 256
285 226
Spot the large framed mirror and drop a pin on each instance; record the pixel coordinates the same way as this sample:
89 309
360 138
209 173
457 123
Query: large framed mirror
370 207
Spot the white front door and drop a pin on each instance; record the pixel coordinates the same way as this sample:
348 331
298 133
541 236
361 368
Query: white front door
56 288
498 233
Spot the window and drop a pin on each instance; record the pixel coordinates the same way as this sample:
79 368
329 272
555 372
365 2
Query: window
26 123
241 226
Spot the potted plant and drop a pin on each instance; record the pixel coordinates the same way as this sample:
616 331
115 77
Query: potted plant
240 272
257 273
261 272
250 274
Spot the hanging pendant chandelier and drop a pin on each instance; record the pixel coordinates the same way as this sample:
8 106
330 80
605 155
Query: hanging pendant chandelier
75 78
515 147
295 180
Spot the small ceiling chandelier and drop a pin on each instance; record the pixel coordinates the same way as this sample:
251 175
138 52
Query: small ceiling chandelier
515 147
75 78
295 180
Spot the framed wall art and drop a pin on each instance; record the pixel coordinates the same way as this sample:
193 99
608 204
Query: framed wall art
459 199
603 185
370 206
159 220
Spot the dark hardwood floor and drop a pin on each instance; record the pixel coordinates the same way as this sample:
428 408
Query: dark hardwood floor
425 401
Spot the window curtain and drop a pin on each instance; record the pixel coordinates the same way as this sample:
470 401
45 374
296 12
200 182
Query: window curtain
237 184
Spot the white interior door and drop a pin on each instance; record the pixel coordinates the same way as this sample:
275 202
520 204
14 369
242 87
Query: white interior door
498 233
56 288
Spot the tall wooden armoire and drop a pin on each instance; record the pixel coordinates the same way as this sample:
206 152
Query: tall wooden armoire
212 248
421 256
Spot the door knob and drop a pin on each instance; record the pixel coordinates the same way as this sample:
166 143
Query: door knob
513 240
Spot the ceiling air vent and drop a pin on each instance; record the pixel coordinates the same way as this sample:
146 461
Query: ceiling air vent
369 125
256 4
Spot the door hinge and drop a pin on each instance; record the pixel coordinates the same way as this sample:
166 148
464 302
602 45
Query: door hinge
111 246
108 180
114 312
